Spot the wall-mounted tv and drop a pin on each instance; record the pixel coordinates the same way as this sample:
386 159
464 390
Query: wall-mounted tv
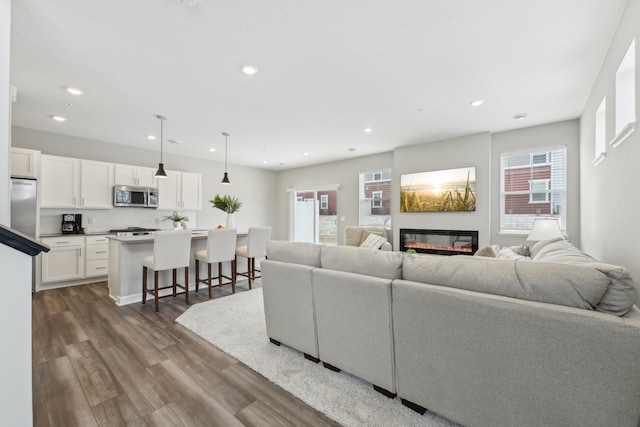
451 190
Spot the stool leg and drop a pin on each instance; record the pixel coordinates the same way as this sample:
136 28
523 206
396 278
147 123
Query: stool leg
155 289
209 271
233 276
249 271
220 273
186 284
175 280
144 285
198 274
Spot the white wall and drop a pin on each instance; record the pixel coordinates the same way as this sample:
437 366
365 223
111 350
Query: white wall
345 173
543 136
472 150
254 187
5 112
609 195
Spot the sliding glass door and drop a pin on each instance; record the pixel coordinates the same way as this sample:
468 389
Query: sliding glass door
315 216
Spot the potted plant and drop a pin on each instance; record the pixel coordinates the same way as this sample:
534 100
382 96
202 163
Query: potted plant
178 220
227 204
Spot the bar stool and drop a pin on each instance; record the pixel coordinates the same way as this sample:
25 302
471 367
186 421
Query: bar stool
221 247
257 239
171 250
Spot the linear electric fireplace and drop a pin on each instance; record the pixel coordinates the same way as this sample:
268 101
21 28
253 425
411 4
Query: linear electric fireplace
440 242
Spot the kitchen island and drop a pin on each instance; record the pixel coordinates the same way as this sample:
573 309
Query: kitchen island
125 264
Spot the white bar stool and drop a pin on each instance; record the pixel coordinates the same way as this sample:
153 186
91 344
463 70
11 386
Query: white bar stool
221 247
257 239
171 250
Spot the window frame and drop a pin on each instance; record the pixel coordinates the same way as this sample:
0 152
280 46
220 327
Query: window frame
376 202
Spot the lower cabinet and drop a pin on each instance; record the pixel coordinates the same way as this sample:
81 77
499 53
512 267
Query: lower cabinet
75 257
65 260
96 256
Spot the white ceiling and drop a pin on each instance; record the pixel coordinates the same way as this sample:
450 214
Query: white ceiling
326 70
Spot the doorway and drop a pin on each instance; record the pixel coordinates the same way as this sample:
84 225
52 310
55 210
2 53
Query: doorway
315 216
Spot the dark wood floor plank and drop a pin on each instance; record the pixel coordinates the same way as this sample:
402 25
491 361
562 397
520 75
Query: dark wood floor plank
68 328
117 412
95 363
66 403
143 390
201 408
93 374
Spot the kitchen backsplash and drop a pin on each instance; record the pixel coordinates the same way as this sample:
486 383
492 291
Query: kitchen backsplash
109 219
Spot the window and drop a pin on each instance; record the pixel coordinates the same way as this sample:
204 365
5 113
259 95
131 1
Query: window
324 201
532 184
600 132
539 191
375 198
625 110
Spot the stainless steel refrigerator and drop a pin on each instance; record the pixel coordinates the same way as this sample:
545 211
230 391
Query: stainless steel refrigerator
24 211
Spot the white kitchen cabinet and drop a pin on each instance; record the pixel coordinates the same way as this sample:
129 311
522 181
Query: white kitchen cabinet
24 163
65 260
59 182
96 256
75 183
96 185
180 190
135 175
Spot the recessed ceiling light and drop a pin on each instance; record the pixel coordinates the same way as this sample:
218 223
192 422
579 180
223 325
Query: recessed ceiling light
249 70
75 91
352 149
264 162
151 137
476 102
305 153
190 3
173 141
368 130
213 150
59 118
520 116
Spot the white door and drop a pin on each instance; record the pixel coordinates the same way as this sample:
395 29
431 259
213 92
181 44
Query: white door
125 175
304 220
63 263
169 191
146 177
191 191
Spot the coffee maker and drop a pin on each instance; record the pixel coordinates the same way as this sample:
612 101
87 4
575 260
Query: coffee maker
71 223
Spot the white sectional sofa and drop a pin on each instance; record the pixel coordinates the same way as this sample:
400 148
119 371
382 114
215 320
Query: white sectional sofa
483 342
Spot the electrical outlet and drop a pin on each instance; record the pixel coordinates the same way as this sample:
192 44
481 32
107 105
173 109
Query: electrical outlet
342 219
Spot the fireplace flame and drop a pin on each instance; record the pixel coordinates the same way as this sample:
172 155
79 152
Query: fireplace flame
417 245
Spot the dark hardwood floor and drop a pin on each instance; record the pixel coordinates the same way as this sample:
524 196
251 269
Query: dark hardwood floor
97 364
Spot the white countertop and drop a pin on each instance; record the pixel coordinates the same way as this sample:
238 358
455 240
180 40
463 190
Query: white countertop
195 234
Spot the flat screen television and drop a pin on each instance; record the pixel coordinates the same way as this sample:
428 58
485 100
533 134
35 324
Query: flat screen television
450 190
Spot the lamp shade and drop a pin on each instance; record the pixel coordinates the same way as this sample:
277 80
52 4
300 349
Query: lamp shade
544 229
160 173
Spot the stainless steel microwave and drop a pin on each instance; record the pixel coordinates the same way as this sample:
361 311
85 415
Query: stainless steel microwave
135 197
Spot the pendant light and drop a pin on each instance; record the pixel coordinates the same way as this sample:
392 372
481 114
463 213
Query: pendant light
160 173
225 178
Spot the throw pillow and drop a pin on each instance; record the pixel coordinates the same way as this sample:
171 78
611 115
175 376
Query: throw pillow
520 250
367 232
508 253
374 242
485 251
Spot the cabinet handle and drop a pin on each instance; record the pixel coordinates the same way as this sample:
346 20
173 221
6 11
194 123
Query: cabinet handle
100 268
101 252
82 202
79 253
62 243
74 200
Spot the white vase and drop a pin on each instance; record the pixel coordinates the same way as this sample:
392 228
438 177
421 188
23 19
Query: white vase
176 226
231 222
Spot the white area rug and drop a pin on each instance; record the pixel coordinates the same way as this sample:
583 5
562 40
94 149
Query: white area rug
236 325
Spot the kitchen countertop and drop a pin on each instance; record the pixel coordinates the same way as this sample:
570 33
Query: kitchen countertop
97 233
195 234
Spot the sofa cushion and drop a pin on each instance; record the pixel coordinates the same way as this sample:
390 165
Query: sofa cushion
621 293
367 261
294 252
543 282
509 253
372 241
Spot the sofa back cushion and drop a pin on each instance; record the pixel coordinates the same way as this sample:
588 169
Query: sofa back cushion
621 293
294 252
365 261
542 282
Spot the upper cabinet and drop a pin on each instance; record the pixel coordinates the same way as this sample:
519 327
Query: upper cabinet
180 190
135 175
60 182
96 185
75 183
24 163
